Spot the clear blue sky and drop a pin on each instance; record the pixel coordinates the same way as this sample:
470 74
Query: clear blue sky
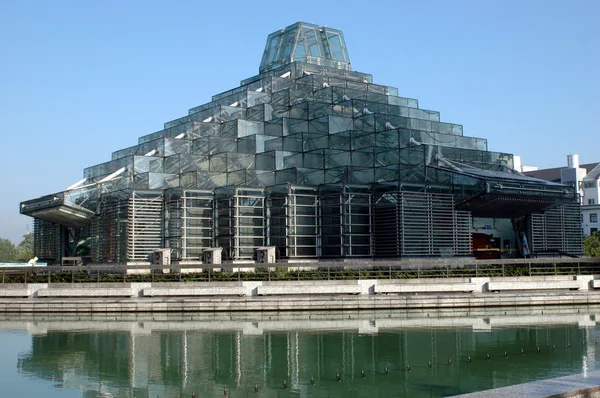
80 79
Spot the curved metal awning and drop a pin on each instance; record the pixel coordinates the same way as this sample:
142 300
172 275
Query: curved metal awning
53 208
505 193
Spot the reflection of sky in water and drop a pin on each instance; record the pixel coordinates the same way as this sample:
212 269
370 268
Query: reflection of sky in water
168 358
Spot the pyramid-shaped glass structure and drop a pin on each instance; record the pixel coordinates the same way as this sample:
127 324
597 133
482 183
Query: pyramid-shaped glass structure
313 158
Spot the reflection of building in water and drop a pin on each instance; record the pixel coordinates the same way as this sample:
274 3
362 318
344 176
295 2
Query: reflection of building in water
170 359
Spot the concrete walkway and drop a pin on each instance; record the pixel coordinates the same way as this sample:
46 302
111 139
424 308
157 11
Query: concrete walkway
574 386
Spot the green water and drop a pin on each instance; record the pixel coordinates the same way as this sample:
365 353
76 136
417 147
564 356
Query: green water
175 356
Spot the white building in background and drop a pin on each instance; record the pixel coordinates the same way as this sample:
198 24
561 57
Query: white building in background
586 178
521 167
591 204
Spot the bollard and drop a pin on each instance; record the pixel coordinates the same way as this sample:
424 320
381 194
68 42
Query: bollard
488 356
337 377
429 364
284 384
256 388
449 361
362 374
505 354
408 367
312 380
522 352
386 371
469 359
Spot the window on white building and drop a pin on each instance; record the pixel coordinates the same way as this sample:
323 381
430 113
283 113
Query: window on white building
593 217
590 201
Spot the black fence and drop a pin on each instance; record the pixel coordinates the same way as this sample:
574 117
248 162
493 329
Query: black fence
355 270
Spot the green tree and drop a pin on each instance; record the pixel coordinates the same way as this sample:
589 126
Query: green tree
591 245
24 252
7 251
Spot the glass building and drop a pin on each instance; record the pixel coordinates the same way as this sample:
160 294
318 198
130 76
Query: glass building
315 159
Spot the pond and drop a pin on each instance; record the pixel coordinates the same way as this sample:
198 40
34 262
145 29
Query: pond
349 354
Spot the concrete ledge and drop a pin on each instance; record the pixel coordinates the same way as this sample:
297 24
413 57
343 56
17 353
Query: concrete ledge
533 285
423 280
103 285
89 292
173 285
314 282
193 291
535 278
18 292
308 289
595 284
424 287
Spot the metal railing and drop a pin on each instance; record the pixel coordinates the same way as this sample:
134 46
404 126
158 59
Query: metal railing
325 270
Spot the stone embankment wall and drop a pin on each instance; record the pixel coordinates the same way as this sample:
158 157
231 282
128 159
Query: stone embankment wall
301 295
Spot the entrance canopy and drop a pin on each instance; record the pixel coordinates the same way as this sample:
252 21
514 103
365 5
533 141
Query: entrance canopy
55 208
503 193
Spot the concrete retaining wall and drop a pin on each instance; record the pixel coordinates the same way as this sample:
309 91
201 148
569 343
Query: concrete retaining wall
468 302
299 295
300 288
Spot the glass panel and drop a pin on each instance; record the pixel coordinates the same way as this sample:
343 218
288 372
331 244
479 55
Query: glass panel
362 158
218 163
337 158
271 49
265 161
314 47
287 42
335 47
163 180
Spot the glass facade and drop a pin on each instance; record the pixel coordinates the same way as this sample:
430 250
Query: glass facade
308 156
